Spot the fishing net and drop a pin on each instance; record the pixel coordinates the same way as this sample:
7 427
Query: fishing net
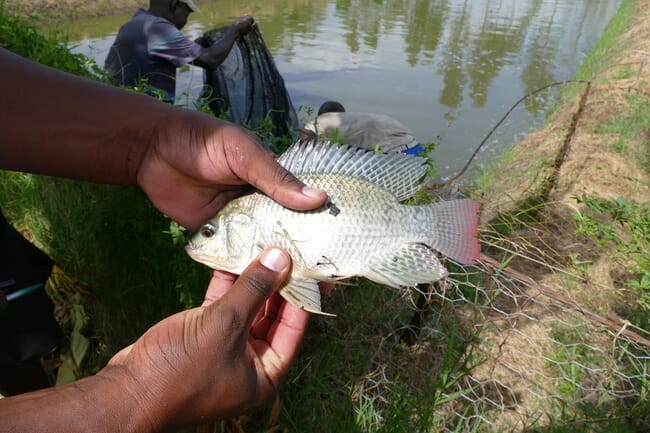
548 332
513 343
247 88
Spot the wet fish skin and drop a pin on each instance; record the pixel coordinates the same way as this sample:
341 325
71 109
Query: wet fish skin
363 230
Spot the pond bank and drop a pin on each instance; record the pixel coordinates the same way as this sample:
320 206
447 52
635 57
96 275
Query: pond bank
568 208
595 145
71 9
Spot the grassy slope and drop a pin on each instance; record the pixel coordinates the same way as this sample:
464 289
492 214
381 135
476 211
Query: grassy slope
68 9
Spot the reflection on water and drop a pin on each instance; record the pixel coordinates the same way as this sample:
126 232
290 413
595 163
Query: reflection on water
448 69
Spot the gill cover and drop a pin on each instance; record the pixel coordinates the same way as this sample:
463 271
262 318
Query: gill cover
240 240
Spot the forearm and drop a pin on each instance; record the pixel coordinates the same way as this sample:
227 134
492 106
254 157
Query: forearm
98 403
57 124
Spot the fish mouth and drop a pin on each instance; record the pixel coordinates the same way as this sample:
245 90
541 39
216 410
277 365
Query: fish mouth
198 257
189 248
193 252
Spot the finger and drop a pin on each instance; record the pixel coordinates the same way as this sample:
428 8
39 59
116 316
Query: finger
120 357
279 345
255 165
286 189
261 278
220 283
258 317
262 312
194 220
281 321
285 334
266 316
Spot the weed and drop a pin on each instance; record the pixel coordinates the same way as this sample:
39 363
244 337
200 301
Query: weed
23 37
631 127
581 411
623 228
621 147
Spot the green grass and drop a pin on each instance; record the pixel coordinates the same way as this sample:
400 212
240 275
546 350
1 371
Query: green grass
622 228
355 375
134 265
581 411
632 128
24 36
600 57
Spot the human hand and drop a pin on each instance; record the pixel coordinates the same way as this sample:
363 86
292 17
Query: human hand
200 40
243 24
222 359
196 163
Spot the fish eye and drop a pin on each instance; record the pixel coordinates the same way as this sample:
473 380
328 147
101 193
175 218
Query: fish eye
208 230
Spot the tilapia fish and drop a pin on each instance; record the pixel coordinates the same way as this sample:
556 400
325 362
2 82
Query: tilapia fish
363 230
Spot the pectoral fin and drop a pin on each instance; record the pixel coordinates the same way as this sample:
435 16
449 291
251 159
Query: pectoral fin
304 294
410 265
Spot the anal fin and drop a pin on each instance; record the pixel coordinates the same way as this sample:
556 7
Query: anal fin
410 265
305 294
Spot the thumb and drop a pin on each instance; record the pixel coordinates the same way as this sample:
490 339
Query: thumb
121 356
256 165
260 279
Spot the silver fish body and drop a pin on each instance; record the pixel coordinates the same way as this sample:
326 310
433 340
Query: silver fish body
363 230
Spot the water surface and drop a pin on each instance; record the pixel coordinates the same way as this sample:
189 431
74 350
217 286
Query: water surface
448 69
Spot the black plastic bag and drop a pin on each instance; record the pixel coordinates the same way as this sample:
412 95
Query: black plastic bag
28 328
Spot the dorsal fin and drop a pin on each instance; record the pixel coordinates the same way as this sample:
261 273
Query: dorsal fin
397 173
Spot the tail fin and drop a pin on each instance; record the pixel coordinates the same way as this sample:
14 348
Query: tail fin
454 225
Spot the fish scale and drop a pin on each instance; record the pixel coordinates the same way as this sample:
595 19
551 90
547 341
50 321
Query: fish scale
363 230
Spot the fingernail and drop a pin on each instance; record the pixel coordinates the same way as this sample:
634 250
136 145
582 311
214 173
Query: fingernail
312 192
274 259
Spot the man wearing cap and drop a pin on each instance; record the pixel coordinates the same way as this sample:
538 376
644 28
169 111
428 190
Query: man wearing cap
150 47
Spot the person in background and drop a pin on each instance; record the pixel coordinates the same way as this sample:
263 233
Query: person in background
222 359
367 130
151 47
